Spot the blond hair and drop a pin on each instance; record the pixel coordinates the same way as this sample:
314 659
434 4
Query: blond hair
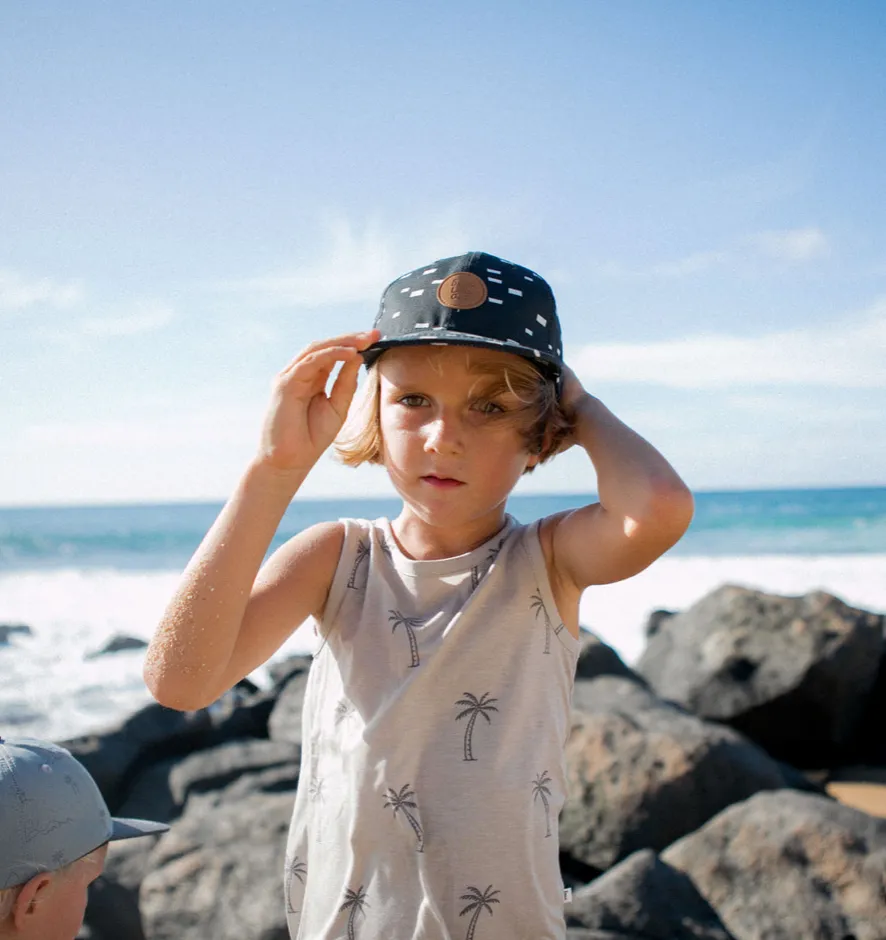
541 420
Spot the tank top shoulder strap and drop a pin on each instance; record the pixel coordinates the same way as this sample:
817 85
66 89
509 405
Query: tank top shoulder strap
363 539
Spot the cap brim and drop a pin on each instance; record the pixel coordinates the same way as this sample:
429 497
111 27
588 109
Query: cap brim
442 337
133 828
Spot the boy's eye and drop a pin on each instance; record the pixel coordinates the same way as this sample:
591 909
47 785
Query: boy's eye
488 407
412 401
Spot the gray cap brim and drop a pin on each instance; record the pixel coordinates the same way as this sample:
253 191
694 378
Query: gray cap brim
133 828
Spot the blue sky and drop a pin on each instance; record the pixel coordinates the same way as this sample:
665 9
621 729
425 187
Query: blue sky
191 192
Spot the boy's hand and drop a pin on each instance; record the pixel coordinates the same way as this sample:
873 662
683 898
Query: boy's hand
573 390
573 394
302 420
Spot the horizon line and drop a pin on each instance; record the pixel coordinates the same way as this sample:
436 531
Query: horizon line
220 501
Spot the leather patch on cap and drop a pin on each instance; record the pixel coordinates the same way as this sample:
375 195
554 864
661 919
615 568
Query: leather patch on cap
462 291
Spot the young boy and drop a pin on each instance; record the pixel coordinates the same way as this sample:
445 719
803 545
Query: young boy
438 704
54 835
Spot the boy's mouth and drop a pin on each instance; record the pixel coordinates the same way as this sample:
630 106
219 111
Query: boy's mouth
442 482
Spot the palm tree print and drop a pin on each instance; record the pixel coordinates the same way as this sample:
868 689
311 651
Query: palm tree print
493 552
490 558
315 790
344 709
474 707
538 605
361 555
403 801
354 901
295 868
409 624
541 790
480 901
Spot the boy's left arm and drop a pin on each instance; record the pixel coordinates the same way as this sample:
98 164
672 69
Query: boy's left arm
644 507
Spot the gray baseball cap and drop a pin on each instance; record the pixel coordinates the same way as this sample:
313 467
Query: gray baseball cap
51 811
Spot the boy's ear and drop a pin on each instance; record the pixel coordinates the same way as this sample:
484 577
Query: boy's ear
33 893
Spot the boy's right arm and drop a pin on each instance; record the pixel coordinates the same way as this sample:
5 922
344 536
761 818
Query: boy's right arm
226 617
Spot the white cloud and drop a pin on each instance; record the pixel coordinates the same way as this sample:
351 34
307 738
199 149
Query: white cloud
794 246
787 246
353 263
195 454
145 317
191 430
18 292
692 264
849 354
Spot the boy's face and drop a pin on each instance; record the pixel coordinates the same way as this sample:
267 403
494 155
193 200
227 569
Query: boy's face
451 431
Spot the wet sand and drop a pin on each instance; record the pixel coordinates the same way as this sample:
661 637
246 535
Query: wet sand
861 787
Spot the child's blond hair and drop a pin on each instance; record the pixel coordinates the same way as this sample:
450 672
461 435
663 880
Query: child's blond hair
542 421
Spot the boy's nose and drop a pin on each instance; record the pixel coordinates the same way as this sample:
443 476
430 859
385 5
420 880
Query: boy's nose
443 435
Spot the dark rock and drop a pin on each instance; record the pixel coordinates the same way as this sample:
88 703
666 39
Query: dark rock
243 712
790 865
597 658
285 721
227 772
655 620
868 742
218 872
118 643
149 793
282 671
608 693
792 673
162 791
641 773
644 897
10 629
220 766
112 912
127 861
117 756
583 933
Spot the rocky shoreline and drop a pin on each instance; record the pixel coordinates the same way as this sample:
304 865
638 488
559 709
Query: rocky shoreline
701 788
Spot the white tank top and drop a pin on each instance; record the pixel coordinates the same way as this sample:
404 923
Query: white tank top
433 771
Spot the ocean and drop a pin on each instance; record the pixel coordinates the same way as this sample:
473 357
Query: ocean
78 575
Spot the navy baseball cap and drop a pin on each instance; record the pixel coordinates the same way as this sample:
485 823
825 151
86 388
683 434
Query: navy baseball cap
474 299
52 812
